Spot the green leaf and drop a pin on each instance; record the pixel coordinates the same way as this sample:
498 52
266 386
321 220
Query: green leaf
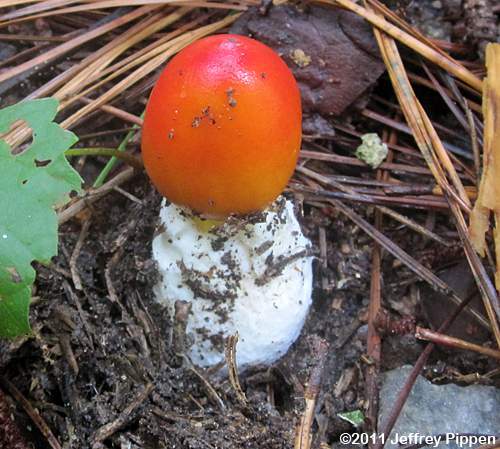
31 184
356 417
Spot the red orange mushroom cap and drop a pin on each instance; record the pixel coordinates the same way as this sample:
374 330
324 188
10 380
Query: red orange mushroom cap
222 128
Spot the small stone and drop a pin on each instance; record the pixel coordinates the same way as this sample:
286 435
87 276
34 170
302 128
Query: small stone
439 411
397 263
345 248
337 303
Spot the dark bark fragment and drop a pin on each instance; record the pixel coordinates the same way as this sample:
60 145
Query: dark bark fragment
331 52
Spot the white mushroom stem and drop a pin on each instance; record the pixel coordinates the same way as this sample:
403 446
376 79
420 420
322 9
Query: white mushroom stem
253 277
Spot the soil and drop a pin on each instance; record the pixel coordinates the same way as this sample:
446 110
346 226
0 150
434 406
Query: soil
121 341
107 353
97 349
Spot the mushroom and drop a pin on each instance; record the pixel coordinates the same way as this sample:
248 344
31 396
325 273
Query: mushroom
220 140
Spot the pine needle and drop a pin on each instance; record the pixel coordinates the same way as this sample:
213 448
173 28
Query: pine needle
440 165
489 189
428 52
64 48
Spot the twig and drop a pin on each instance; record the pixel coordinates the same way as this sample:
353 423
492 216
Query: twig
336 158
212 393
67 350
30 37
425 82
446 98
130 159
413 225
32 412
230 354
19 55
125 417
323 253
303 435
113 296
77 282
174 417
445 340
124 115
64 335
107 132
71 294
474 143
92 195
376 200
374 343
128 195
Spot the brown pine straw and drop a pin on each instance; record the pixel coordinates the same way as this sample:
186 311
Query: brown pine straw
108 74
75 42
428 52
89 69
452 342
8 3
174 46
415 266
47 4
148 61
90 73
488 201
390 15
120 113
440 165
100 5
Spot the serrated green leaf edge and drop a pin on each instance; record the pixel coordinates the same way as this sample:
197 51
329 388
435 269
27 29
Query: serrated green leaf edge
28 194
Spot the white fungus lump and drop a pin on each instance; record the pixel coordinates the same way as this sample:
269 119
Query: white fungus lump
253 277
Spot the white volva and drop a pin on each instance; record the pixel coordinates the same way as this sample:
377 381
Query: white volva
253 277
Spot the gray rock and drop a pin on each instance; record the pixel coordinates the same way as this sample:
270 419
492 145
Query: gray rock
433 410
